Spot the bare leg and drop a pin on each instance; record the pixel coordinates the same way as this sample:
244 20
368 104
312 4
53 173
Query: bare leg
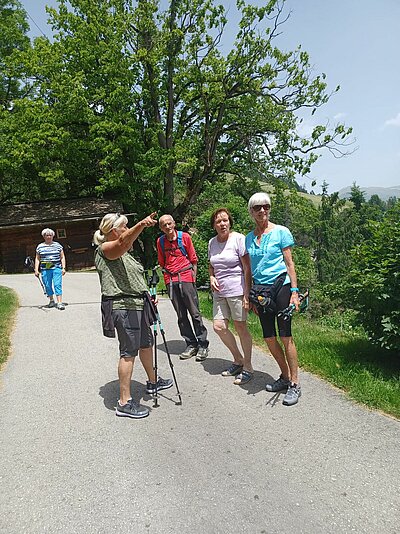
246 343
125 369
277 352
146 357
228 339
291 358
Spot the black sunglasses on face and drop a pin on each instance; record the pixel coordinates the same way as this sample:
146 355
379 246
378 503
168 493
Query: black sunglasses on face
265 206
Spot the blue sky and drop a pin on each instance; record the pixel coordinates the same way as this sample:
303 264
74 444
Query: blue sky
356 44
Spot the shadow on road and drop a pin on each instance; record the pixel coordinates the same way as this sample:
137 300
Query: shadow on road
275 399
215 366
46 307
110 394
175 346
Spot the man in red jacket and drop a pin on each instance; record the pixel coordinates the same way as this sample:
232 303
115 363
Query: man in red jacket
178 260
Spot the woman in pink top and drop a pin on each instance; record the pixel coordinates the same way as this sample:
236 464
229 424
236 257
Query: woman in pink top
230 279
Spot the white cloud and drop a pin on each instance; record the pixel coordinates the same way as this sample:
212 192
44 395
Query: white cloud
305 128
393 122
340 116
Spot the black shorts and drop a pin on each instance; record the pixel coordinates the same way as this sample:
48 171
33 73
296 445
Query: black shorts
132 331
267 320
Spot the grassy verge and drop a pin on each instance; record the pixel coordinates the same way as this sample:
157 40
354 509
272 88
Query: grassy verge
366 373
8 306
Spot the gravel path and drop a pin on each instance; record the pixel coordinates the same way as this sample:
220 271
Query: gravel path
229 460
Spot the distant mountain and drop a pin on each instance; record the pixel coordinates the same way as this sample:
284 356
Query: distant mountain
384 193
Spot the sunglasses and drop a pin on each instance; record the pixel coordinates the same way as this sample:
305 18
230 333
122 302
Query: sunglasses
258 207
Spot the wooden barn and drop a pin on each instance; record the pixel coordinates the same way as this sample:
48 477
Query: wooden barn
73 221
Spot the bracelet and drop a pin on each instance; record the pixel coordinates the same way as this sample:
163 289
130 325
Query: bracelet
294 289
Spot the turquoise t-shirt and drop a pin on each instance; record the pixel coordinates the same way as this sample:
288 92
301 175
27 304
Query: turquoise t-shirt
266 259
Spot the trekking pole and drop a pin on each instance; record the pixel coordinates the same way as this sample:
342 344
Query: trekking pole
153 281
171 365
288 312
42 284
30 264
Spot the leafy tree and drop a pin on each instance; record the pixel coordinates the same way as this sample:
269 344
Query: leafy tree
375 200
13 39
134 102
357 196
391 201
139 96
330 236
373 285
13 42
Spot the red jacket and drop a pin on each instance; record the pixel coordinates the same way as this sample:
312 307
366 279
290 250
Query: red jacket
174 260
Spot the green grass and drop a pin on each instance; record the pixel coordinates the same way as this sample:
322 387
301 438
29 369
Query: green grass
366 373
8 306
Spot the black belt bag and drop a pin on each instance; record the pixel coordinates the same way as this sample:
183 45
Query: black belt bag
264 296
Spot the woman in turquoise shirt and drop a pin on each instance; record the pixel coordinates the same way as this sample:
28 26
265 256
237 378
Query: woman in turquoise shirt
270 250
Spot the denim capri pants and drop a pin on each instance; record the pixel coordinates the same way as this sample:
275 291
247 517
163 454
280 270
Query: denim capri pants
52 278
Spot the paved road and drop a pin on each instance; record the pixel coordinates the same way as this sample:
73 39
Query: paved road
229 460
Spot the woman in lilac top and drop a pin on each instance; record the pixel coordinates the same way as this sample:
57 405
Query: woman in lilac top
230 279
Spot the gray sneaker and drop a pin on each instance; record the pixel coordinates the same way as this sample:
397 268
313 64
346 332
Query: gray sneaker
292 395
162 383
189 352
202 354
131 409
279 385
60 306
51 304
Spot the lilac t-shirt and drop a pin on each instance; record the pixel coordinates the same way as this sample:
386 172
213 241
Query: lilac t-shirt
225 260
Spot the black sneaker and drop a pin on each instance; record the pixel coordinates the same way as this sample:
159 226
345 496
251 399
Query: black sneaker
279 385
161 384
131 409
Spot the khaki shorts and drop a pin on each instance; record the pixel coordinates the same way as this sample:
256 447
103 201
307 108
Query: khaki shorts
229 308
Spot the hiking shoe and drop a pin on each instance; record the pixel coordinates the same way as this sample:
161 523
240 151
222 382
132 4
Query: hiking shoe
60 306
189 352
131 409
202 354
161 384
292 396
279 385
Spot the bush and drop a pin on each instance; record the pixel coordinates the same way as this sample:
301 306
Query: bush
373 284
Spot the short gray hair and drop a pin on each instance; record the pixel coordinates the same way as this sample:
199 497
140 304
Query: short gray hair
48 231
258 199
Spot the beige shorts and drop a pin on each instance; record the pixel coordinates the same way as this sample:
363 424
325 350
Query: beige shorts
229 308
